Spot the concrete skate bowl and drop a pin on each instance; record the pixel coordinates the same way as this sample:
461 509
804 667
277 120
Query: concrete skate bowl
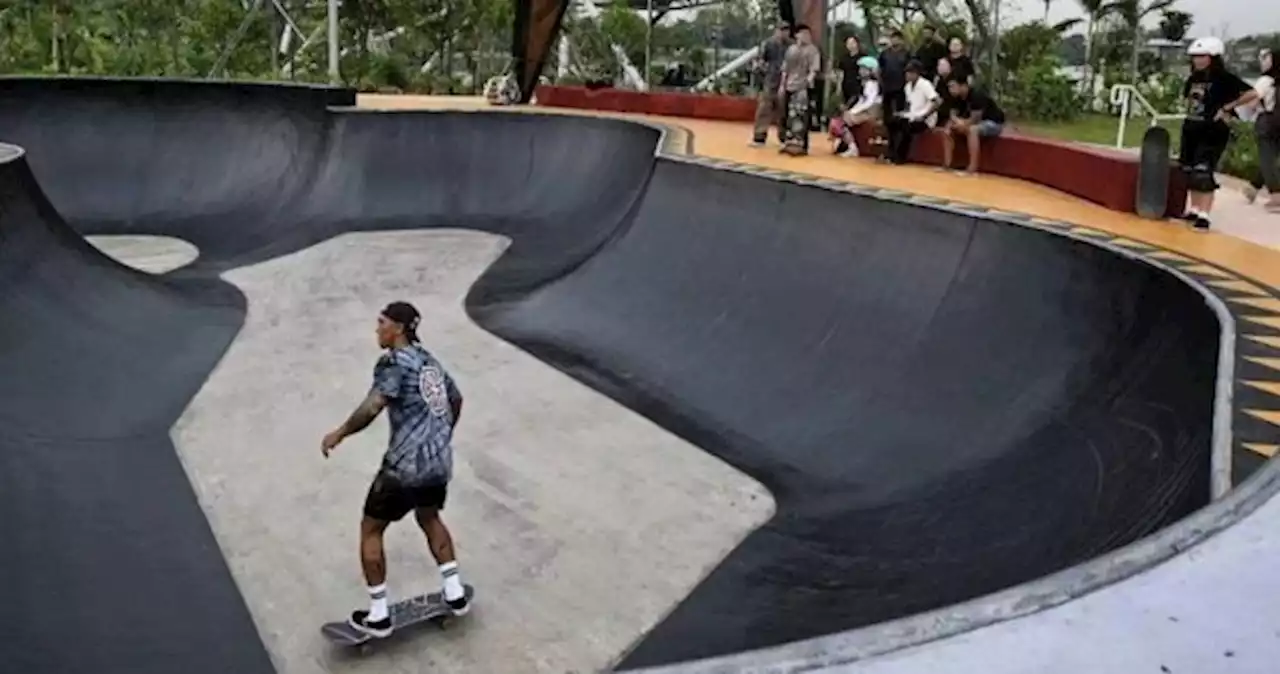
943 406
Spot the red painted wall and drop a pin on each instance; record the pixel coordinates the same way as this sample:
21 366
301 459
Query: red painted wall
1105 177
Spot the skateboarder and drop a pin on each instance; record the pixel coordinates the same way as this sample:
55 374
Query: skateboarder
799 72
423 405
1212 93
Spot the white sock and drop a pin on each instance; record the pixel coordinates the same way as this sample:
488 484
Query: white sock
452 581
377 602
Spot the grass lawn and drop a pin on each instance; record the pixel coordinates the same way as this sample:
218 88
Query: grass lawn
1098 129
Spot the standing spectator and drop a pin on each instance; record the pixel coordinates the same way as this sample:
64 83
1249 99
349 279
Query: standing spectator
923 102
818 92
768 66
865 109
850 80
799 71
1212 94
1267 129
930 51
893 74
958 58
971 115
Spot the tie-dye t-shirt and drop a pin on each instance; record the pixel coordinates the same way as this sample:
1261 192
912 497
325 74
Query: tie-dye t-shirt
419 396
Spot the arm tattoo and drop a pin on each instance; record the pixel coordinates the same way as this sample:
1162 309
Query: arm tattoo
364 414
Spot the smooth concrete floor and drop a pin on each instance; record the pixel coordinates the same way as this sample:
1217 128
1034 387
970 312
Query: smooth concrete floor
151 254
1210 610
580 523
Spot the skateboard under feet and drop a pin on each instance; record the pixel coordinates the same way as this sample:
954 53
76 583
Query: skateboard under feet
404 613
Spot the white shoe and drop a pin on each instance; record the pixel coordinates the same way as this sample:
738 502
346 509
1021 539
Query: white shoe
851 152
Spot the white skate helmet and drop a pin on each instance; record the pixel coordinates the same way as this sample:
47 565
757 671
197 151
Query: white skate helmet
1207 46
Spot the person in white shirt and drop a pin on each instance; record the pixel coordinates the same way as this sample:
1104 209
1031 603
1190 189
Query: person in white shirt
1267 129
865 109
920 116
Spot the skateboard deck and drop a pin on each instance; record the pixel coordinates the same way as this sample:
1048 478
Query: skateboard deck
1153 174
404 613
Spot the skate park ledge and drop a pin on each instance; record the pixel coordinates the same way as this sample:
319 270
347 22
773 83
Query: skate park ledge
1100 175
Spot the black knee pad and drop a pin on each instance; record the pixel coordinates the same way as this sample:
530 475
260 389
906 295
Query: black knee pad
1200 179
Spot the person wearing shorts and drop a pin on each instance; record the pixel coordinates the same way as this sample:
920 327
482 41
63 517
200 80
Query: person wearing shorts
423 404
1212 94
972 115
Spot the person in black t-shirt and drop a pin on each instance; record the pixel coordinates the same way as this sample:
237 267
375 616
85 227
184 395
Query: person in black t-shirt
893 74
930 51
1211 93
847 64
962 65
971 114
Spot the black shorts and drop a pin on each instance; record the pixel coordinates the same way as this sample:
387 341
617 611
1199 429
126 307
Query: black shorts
1203 144
390 501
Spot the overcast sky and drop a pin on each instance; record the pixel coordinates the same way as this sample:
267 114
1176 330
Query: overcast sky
1222 18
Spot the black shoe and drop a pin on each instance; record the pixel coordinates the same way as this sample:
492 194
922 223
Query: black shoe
377 628
459 606
1201 223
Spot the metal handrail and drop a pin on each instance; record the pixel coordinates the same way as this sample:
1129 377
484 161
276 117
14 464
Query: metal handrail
1124 95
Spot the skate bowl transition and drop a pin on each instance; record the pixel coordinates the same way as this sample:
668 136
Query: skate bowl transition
961 419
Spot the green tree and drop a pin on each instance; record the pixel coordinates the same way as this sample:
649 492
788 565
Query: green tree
1174 25
1133 13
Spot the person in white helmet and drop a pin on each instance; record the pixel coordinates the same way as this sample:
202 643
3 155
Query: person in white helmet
1212 94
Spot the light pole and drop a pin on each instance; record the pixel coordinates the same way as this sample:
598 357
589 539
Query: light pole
335 77
648 46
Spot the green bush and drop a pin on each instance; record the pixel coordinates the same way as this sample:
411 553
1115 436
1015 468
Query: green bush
1241 159
1036 92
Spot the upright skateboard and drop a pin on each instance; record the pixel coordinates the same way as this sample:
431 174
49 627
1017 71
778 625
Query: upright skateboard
404 613
1153 174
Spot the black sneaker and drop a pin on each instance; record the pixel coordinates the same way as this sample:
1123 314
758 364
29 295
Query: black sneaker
1201 223
377 628
459 606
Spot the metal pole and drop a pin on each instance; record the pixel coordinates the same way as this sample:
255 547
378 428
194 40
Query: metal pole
995 55
335 77
648 46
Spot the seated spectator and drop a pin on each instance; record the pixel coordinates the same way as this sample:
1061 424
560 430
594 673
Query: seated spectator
865 109
972 115
923 102
943 74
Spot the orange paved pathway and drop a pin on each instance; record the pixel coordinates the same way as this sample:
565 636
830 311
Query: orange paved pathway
728 140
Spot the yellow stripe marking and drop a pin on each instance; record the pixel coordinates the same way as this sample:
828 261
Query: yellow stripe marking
1269 321
1206 270
1273 342
1268 386
1273 363
1238 286
1088 232
1166 255
1263 303
1258 448
1268 416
